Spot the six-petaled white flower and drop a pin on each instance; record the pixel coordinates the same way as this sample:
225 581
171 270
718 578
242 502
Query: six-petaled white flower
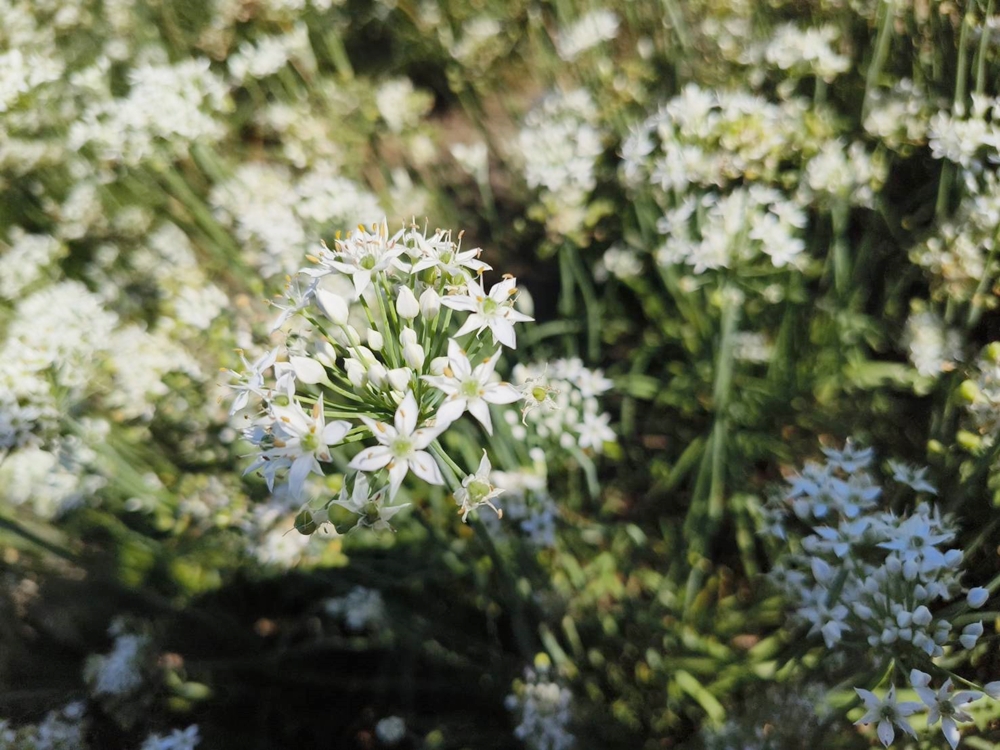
476 490
304 439
944 705
887 711
470 388
401 447
494 310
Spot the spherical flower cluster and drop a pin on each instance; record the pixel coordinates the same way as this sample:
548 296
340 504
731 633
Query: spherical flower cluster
544 708
559 144
377 357
561 406
873 580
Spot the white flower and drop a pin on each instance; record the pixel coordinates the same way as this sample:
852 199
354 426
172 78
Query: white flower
470 388
362 255
252 380
476 490
494 311
886 712
401 447
304 439
946 707
912 476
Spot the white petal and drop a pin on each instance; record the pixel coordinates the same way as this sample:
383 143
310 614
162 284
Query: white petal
371 459
406 415
425 467
481 411
474 322
950 731
459 360
301 468
886 732
334 432
397 472
459 302
503 332
452 408
501 393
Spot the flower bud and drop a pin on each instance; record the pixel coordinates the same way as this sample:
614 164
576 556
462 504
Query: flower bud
356 372
922 616
333 306
374 339
970 635
308 370
406 304
439 365
399 378
919 679
413 355
377 374
407 337
977 597
430 304
969 391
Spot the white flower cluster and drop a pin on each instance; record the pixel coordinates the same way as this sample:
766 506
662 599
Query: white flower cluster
808 51
178 739
725 231
585 33
562 406
62 729
960 253
544 708
362 609
983 393
871 579
393 371
559 144
899 117
933 347
167 108
275 216
967 138
119 672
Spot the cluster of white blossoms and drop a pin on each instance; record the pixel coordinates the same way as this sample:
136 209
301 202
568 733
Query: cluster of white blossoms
809 51
982 391
275 215
559 144
544 708
933 347
122 670
167 108
713 231
960 253
391 341
967 138
561 406
866 578
585 33
714 138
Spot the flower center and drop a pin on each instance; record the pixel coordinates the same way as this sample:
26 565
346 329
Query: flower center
490 306
310 442
478 491
539 392
402 447
446 257
470 388
368 262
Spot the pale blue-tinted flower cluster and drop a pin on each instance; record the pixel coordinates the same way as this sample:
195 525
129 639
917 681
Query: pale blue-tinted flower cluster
876 580
544 711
